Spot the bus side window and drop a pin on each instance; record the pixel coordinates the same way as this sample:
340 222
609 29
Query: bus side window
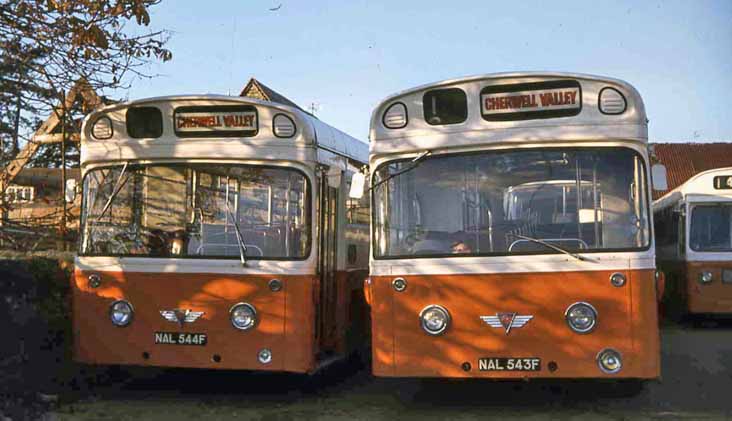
357 230
357 210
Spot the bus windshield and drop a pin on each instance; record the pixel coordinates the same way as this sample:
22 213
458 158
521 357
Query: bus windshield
496 203
711 227
189 210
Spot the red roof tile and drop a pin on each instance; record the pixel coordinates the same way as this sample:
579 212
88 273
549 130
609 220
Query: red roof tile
684 160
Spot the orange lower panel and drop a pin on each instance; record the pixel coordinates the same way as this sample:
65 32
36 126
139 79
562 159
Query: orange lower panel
712 298
286 320
627 322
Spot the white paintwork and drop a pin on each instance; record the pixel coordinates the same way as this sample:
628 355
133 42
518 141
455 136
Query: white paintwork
311 134
589 125
590 128
513 264
171 265
697 190
314 143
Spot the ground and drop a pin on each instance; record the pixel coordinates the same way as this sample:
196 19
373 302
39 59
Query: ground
696 384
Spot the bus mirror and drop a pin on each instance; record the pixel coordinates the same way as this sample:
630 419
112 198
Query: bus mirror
358 181
70 190
658 175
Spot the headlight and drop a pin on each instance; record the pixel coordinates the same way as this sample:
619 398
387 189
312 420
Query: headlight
581 317
609 361
706 277
435 319
121 313
243 316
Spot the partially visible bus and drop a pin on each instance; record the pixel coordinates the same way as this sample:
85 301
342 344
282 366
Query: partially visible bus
216 232
511 230
694 241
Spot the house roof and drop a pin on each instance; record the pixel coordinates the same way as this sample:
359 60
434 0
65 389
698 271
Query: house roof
44 176
258 90
685 160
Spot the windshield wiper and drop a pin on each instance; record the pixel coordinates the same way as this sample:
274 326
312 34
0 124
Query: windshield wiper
117 187
556 248
415 163
239 237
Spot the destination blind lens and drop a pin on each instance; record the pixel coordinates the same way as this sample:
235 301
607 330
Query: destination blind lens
445 106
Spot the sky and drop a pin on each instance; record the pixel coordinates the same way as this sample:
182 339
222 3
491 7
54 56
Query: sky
346 56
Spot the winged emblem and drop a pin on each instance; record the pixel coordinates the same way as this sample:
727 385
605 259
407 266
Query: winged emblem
507 320
181 316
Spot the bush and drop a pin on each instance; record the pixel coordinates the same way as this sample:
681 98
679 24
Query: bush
35 323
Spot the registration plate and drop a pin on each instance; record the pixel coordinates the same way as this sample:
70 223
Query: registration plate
509 364
179 338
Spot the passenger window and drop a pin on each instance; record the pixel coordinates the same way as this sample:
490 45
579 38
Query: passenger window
357 210
144 122
445 106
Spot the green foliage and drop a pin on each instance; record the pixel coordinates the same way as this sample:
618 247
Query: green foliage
46 46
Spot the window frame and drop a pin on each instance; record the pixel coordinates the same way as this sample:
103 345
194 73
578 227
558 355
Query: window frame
308 211
455 89
692 207
646 188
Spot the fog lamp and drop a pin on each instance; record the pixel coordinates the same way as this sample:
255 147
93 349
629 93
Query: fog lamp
609 361
243 316
581 317
435 319
121 312
265 356
706 277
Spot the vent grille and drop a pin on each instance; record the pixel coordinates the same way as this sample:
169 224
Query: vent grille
612 101
283 126
395 116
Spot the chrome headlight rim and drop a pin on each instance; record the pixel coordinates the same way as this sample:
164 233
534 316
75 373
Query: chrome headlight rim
254 316
448 320
131 313
594 318
605 370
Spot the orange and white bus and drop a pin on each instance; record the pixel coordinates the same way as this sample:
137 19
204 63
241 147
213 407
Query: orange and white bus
694 236
217 232
511 230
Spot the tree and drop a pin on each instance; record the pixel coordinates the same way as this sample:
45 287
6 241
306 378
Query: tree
46 46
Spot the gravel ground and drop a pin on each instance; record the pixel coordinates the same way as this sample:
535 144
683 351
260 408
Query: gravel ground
696 384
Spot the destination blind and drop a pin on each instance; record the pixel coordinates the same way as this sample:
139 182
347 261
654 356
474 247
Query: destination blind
531 100
217 121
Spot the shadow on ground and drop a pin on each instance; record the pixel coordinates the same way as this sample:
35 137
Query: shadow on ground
697 362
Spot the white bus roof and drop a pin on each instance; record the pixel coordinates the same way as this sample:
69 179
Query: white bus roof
313 140
708 186
533 120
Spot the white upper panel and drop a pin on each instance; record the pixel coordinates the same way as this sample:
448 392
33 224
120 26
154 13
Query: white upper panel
707 186
310 136
535 95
